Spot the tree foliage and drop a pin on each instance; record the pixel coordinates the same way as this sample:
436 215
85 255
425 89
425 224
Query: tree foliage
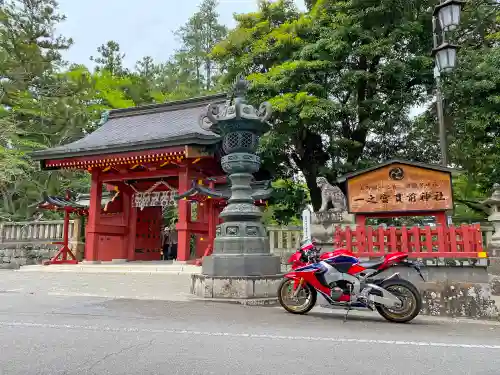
342 78
45 102
287 202
198 37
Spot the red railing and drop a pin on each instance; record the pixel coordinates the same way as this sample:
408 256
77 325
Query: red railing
420 242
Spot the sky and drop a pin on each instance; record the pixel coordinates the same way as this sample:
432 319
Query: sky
141 28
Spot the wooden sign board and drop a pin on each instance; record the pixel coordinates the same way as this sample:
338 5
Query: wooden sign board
400 188
197 152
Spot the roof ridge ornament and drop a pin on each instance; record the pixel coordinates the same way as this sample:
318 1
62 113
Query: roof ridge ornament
104 118
217 117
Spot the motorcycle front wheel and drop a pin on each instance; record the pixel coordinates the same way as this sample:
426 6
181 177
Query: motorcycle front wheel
409 296
300 304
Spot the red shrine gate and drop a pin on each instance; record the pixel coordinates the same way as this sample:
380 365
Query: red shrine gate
146 173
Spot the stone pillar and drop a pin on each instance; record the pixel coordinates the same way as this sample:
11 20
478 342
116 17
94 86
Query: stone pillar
241 265
493 247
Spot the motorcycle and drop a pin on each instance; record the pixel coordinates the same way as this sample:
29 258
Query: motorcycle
310 253
343 281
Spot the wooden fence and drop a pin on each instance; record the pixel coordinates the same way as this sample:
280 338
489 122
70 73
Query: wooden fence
284 240
464 241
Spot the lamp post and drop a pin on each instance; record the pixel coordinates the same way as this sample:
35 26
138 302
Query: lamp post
445 18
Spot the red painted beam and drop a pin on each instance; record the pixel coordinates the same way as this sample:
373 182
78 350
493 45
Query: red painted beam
159 173
84 162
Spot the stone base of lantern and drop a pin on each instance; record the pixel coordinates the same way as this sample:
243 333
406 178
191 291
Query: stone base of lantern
259 289
241 265
241 248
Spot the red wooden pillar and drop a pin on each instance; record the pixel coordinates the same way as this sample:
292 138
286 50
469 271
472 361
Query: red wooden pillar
130 220
360 220
441 219
212 217
184 211
92 235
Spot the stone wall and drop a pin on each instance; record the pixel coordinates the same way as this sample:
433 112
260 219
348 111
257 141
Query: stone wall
448 291
24 243
458 299
16 255
13 256
456 290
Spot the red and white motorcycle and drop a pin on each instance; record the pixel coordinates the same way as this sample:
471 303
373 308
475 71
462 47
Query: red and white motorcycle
341 280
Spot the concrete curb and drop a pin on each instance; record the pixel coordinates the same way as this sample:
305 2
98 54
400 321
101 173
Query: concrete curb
272 301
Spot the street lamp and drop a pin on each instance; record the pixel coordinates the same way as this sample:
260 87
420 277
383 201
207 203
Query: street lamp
446 57
446 16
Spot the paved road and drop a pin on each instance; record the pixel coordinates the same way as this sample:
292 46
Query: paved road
42 333
152 286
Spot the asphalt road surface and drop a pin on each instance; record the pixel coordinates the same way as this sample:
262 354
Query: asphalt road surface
145 324
44 334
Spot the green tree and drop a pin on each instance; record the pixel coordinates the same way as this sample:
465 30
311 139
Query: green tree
30 55
341 78
198 37
472 103
287 202
110 58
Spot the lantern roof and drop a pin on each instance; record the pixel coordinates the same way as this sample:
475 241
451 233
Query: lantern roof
261 190
445 4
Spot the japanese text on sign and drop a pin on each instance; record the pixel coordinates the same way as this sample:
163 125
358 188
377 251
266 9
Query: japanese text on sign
418 190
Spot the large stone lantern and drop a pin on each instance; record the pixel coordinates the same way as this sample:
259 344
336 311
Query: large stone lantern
241 246
494 203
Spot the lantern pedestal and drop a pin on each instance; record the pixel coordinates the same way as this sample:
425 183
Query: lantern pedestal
241 265
259 289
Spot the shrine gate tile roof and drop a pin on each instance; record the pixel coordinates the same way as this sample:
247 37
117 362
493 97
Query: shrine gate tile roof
141 128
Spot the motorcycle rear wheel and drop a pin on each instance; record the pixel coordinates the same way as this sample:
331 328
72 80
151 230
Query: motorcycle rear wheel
285 292
409 295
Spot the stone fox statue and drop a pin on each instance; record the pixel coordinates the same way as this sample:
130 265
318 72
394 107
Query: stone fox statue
331 194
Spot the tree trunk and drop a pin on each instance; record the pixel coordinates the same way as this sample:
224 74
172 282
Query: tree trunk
314 190
208 66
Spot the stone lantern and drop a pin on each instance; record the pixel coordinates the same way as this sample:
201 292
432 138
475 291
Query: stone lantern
241 247
494 203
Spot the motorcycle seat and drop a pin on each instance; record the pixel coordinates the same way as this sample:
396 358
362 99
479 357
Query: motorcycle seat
373 264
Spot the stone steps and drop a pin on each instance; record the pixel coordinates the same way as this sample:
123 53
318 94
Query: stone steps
115 268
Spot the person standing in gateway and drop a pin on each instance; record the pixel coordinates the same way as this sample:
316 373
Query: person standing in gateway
172 242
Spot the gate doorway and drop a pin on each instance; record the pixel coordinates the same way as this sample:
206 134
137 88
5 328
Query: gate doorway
148 244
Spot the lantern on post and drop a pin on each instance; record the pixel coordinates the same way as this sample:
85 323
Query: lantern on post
448 14
445 56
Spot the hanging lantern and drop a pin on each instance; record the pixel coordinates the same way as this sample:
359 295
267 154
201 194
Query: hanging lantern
446 57
448 14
